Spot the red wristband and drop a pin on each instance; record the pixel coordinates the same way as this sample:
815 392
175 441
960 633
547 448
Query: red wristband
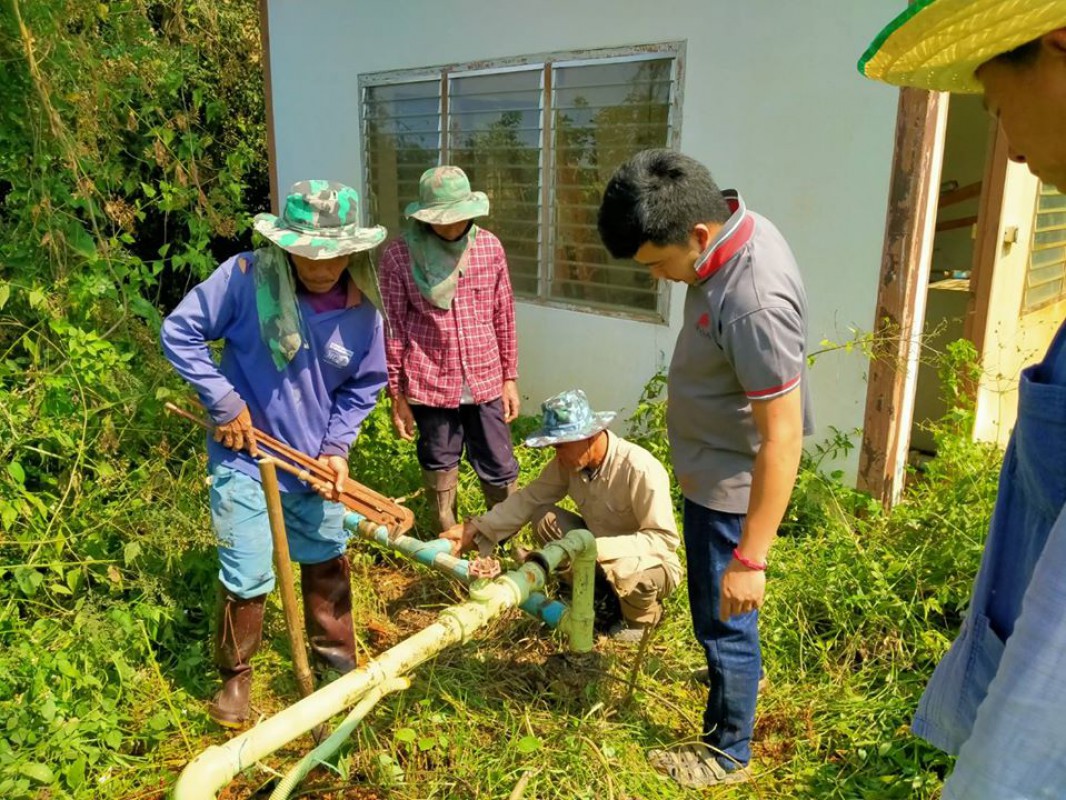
747 562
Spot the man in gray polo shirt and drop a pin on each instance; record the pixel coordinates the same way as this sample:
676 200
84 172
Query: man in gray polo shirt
736 415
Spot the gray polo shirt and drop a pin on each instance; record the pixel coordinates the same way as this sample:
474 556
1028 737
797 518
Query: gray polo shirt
743 338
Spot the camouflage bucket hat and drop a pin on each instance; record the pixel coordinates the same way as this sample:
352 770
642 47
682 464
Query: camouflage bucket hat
320 220
444 197
567 417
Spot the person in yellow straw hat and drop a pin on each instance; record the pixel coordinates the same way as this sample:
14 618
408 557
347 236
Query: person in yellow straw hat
998 698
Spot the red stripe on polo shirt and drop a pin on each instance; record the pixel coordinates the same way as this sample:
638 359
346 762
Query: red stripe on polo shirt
728 247
782 389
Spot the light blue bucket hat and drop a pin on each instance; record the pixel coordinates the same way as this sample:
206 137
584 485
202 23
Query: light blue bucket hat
568 418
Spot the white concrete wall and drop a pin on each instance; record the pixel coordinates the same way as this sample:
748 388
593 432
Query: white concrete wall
772 104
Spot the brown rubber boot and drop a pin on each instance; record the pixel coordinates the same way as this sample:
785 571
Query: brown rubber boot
238 632
443 488
494 495
327 590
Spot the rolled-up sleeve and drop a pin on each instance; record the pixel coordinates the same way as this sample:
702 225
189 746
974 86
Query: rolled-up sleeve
508 517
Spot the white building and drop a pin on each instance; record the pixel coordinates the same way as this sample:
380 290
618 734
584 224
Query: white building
539 102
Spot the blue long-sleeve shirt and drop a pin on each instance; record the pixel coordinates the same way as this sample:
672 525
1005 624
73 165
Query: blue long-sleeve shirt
998 697
316 404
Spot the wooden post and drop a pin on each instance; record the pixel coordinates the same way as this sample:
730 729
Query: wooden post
901 294
283 565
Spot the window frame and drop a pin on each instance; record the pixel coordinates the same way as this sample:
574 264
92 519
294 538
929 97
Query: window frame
545 63
1030 267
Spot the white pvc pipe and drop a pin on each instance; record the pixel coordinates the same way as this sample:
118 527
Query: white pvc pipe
218 765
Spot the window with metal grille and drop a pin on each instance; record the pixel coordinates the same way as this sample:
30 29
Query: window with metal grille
1045 280
541 135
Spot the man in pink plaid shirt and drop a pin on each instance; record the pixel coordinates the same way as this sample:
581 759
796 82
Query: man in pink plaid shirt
450 342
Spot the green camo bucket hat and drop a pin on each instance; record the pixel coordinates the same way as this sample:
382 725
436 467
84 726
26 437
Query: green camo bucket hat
320 220
444 197
567 417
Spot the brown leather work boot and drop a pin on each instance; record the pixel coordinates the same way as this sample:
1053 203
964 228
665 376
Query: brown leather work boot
238 632
443 489
494 495
327 590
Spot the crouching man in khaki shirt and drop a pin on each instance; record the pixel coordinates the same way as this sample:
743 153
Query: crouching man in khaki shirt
623 495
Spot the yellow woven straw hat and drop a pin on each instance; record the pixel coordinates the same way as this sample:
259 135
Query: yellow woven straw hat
939 44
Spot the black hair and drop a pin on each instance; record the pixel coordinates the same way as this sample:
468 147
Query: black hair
1022 56
657 196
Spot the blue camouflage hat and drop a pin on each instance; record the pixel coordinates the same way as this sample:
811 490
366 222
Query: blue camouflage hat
568 418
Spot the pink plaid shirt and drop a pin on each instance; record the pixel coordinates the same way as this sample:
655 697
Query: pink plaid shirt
430 350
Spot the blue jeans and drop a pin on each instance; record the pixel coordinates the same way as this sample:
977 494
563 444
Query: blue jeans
732 648
314 528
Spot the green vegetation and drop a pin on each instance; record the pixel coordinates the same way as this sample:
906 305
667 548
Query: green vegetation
131 144
131 151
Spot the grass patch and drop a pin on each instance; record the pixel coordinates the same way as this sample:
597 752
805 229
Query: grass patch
861 606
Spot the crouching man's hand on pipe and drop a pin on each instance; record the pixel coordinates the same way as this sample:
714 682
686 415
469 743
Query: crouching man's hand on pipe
461 537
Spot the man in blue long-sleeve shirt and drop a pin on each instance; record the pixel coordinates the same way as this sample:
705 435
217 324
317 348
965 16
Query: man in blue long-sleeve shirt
304 361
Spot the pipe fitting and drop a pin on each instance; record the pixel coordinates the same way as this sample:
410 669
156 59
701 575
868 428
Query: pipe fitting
579 547
489 599
575 545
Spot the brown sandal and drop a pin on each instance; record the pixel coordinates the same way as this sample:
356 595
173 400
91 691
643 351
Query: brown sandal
695 767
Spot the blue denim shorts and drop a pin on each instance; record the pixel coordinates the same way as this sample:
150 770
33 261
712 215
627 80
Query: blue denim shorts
314 528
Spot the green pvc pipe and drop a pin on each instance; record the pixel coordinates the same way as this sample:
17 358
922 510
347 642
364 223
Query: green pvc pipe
328 747
575 545
435 553
578 547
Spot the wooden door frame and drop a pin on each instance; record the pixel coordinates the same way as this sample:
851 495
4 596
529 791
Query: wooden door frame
987 242
921 122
